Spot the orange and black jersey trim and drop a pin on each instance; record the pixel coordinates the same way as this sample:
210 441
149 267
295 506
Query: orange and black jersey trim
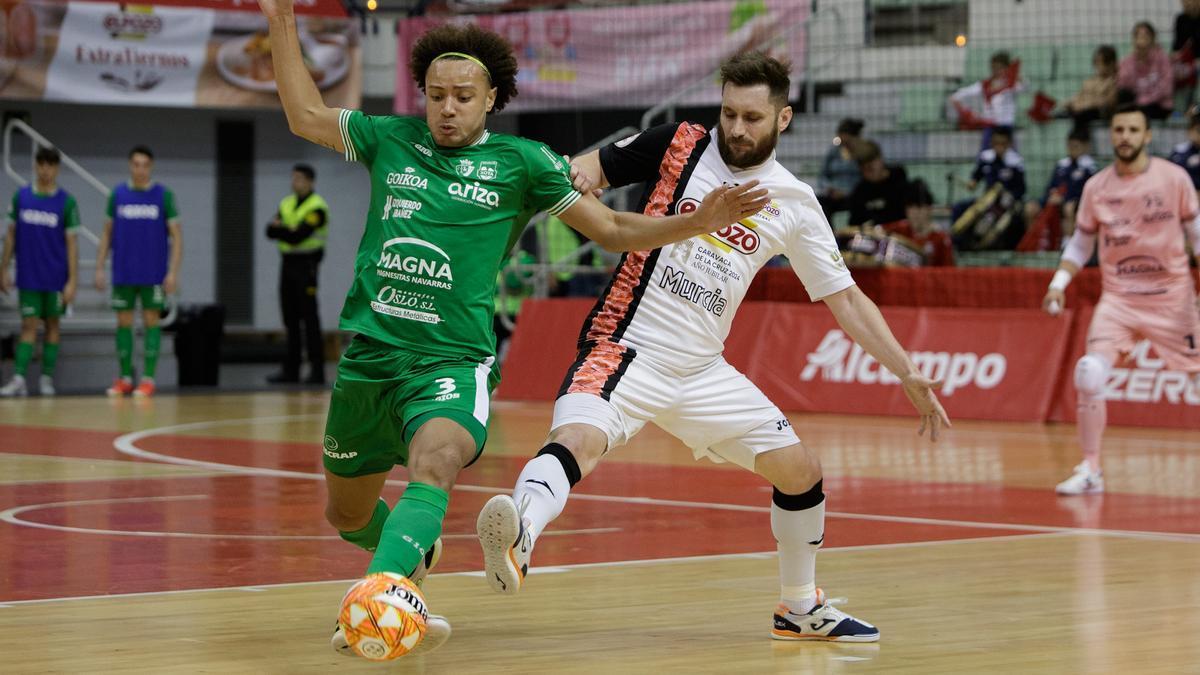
663 157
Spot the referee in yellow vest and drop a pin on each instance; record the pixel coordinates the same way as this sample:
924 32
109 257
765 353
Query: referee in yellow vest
300 228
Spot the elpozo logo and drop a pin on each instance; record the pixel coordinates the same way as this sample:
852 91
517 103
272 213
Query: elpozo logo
132 25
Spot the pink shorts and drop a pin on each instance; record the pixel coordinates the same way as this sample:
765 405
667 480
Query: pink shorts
1171 323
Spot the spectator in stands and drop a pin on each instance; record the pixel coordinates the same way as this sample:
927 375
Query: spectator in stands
1066 185
879 197
1185 47
1146 71
999 96
1000 164
918 227
1187 154
1098 95
839 171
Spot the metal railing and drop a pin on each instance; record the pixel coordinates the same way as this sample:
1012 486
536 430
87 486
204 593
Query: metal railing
14 126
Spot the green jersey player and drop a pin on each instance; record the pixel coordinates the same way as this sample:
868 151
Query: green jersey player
448 199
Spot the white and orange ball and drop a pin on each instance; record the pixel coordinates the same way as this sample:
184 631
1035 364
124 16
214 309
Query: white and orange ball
383 616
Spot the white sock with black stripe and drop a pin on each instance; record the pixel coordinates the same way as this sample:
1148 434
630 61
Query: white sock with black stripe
798 523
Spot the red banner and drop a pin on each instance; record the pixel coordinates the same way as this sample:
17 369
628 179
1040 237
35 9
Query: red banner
994 364
329 8
1140 392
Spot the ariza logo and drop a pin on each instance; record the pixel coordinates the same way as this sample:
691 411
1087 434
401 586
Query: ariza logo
474 194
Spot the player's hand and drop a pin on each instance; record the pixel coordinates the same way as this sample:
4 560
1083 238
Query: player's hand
582 182
169 284
920 390
99 281
1054 301
729 204
69 292
275 8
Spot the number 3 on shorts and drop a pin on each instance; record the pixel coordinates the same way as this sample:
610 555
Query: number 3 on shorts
447 386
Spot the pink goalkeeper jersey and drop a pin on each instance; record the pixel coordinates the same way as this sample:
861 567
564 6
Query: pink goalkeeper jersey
1139 222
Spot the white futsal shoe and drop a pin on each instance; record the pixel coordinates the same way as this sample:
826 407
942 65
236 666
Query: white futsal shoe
437 628
46 386
1084 481
15 387
823 622
506 544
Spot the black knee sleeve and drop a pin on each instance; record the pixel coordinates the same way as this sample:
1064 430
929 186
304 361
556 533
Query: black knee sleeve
799 502
564 457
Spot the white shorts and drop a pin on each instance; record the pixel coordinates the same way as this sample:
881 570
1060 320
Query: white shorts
716 410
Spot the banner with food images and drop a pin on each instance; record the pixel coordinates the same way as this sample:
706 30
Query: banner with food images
210 53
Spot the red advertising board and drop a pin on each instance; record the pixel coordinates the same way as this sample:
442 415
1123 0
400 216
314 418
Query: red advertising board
994 364
1140 392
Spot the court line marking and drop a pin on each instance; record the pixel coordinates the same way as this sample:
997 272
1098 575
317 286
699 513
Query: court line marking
649 562
126 444
11 516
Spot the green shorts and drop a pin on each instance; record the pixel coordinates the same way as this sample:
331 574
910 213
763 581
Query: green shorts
124 298
383 394
41 304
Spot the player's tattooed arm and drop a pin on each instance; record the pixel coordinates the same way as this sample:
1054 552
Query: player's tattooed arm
307 115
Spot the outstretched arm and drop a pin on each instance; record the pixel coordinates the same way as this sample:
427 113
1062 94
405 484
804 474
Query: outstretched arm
307 115
861 320
622 231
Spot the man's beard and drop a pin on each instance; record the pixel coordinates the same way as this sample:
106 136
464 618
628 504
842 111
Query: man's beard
745 158
1129 156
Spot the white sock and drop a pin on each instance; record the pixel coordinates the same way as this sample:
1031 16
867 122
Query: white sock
799 535
544 482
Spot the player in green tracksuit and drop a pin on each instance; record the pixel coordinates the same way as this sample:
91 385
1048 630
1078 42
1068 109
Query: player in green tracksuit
448 199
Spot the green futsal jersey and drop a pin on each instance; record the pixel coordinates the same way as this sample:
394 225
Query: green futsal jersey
440 224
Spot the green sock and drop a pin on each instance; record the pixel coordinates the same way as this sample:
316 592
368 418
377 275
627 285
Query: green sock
24 356
411 529
125 350
49 358
368 537
151 341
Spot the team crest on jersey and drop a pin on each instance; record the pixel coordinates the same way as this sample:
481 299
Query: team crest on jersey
687 205
465 167
488 170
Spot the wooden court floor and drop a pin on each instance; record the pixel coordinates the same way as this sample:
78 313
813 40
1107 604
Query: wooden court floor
184 534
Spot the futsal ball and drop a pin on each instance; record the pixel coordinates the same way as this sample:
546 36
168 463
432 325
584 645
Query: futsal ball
383 616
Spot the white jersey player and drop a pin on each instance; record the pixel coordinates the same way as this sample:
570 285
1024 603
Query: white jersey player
651 350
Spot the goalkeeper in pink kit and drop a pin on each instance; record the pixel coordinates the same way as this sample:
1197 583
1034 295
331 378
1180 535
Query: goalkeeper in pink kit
1143 212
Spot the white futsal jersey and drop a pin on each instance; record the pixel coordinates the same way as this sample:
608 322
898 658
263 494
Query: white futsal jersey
675 305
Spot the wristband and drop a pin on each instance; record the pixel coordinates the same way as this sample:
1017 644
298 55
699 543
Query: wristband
1060 280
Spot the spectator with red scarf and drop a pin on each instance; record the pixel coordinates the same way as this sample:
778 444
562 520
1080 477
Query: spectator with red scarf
999 95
